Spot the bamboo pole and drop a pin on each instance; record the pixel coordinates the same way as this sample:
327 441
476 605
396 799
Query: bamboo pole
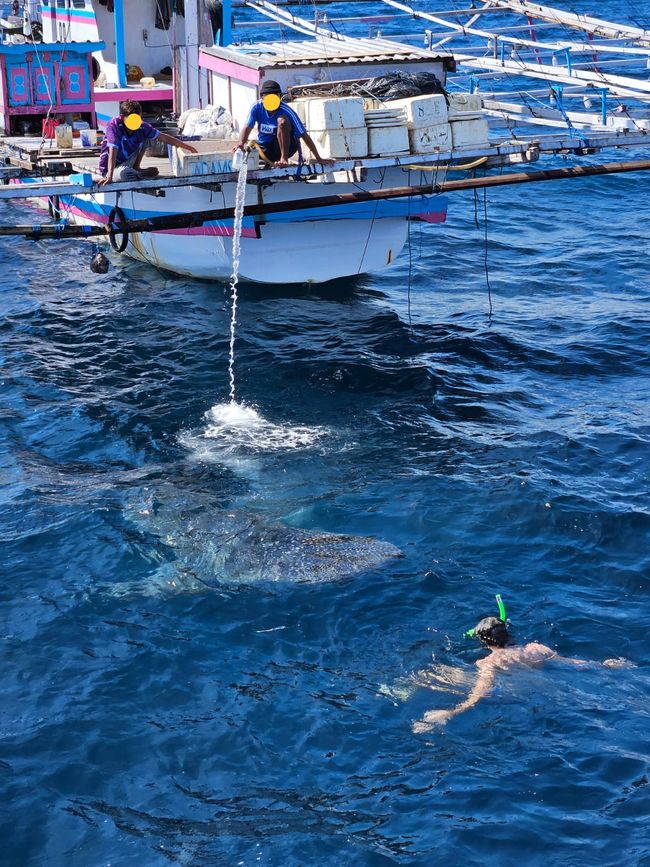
191 220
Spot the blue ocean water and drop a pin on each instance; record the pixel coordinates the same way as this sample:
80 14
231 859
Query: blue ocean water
268 723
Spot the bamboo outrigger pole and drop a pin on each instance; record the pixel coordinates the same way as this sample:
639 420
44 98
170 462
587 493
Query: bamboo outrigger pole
188 220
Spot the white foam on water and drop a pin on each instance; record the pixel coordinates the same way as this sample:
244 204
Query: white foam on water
237 429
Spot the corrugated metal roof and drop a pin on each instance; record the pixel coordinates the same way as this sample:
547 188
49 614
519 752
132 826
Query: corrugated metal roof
326 50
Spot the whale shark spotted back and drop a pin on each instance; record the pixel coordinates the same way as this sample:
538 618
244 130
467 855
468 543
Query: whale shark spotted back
211 548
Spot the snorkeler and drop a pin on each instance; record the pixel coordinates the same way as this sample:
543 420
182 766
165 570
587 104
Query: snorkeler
493 633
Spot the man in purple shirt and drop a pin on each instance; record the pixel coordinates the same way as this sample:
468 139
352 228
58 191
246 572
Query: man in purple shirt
125 142
279 129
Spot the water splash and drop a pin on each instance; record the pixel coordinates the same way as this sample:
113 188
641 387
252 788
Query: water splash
234 428
240 201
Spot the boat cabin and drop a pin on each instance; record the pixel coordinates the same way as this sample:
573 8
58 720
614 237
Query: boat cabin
236 73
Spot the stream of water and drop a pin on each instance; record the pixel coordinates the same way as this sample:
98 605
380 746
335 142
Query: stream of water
240 201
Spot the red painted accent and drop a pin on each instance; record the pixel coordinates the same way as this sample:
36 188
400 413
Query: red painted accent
229 69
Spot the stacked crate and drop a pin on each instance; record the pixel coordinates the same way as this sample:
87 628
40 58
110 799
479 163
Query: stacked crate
426 122
337 125
468 126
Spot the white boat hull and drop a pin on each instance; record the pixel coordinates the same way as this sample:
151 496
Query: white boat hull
309 245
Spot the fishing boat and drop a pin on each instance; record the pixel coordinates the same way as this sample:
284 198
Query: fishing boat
392 150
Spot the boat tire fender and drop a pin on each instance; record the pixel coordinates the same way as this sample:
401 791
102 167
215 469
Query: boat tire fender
118 246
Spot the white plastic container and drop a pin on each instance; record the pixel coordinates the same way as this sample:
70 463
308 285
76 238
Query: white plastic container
464 105
384 141
341 144
330 114
422 111
428 139
469 133
63 134
88 138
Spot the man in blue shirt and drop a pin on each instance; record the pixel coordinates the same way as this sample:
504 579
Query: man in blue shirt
279 127
125 141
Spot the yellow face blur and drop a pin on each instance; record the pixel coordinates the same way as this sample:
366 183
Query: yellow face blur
271 102
133 122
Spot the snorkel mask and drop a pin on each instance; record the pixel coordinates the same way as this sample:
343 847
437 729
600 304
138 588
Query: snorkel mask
471 633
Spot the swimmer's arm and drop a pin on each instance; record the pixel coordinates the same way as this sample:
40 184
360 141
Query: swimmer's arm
618 662
481 688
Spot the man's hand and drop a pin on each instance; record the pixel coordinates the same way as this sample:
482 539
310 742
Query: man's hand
189 147
281 163
326 162
107 180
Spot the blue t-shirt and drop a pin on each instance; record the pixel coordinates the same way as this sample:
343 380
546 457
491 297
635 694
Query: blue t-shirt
267 124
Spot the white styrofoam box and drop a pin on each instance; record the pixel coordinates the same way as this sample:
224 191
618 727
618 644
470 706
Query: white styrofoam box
383 141
422 111
213 157
465 133
341 144
464 104
427 139
298 105
333 114
393 117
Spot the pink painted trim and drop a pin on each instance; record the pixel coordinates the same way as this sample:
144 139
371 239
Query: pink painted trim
220 231
60 108
117 94
433 217
70 16
229 69
214 231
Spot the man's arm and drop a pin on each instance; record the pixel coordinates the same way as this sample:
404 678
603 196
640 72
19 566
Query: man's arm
618 662
165 138
112 157
312 147
243 137
481 688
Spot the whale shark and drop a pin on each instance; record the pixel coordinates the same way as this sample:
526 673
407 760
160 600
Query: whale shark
209 548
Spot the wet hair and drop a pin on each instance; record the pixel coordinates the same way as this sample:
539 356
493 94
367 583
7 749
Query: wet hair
492 632
130 106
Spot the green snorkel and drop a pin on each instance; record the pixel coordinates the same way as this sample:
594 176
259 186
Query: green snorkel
502 616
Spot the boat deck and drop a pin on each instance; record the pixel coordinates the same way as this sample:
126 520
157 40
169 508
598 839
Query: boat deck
33 159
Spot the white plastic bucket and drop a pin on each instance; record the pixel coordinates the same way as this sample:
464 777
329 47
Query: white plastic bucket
88 138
